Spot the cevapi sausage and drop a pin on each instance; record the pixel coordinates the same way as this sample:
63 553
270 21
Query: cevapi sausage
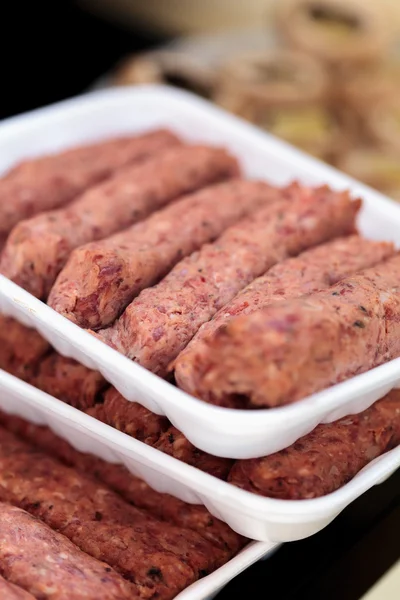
69 381
325 459
161 321
132 418
103 525
100 279
137 421
311 271
308 343
133 489
49 566
9 591
174 443
25 354
37 249
21 348
168 508
50 182
110 154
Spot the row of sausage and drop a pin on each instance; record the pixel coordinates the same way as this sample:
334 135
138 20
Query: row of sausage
66 532
315 465
191 284
150 545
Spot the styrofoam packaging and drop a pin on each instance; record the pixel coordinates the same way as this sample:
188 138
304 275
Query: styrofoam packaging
258 518
19 398
220 431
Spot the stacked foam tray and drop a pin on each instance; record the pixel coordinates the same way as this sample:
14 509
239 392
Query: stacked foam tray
219 431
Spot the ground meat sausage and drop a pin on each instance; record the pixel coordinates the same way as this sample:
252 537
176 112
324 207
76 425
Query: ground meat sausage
50 182
174 443
132 418
25 354
97 411
37 249
103 525
9 591
42 438
325 459
161 321
133 489
109 154
309 272
100 279
137 421
49 566
308 343
69 381
168 508
21 348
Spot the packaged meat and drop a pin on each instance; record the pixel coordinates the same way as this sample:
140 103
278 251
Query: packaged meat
308 343
50 182
309 272
110 153
69 381
168 508
132 418
100 523
133 489
325 459
100 279
21 348
49 566
219 431
37 249
9 591
161 321
174 443
97 411
152 429
26 354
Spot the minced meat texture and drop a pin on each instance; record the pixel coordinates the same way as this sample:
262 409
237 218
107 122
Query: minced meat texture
133 489
174 443
132 418
9 591
309 272
308 344
69 381
162 320
21 348
101 278
49 566
325 459
102 524
49 182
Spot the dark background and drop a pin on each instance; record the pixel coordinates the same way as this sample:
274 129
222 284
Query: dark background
53 50
342 562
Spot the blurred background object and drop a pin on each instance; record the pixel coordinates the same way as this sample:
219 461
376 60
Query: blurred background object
177 17
338 32
323 75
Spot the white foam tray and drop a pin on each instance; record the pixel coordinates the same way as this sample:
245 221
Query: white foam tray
258 518
22 399
220 431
